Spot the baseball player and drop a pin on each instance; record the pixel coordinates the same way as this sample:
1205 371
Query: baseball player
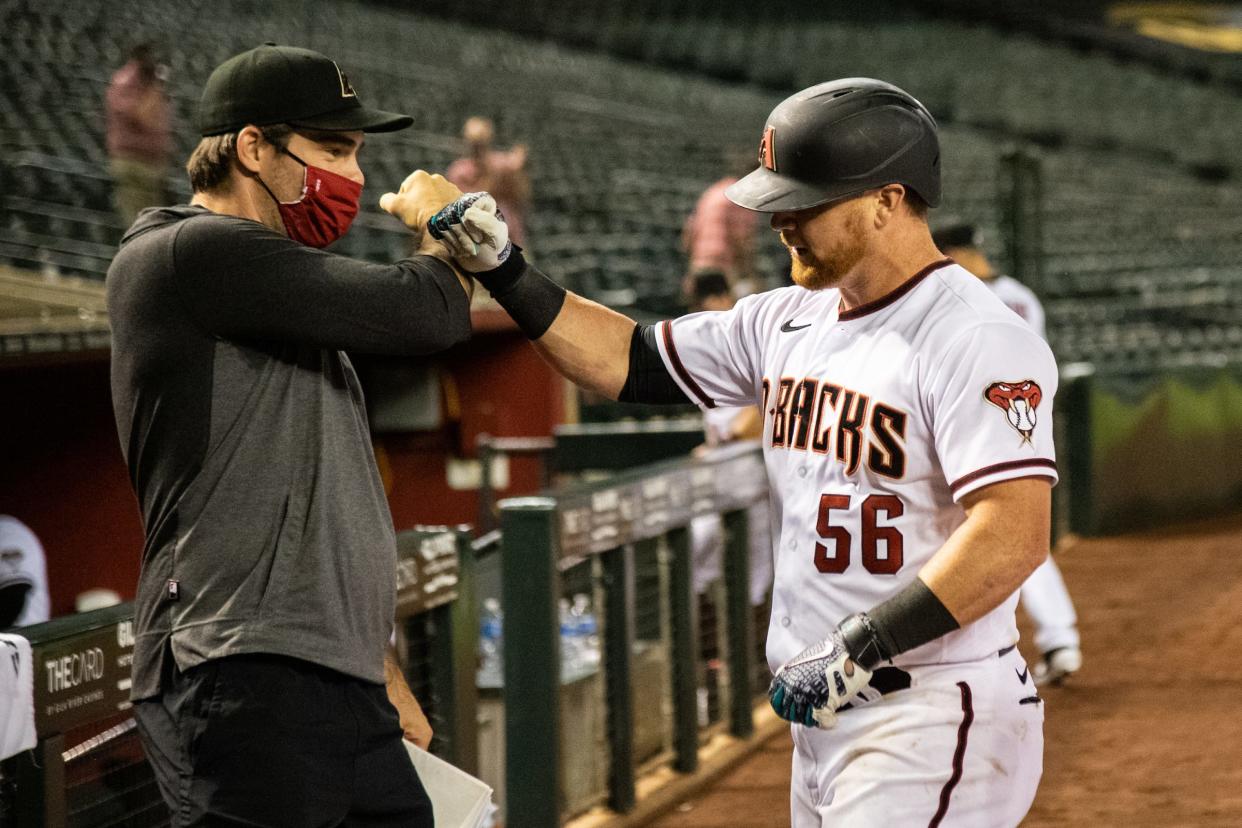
908 443
1044 595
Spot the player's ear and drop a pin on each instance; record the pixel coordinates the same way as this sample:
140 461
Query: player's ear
888 200
249 140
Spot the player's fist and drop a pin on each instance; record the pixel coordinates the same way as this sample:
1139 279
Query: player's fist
474 231
422 194
811 687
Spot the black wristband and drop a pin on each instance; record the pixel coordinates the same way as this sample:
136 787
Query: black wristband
503 278
531 298
909 619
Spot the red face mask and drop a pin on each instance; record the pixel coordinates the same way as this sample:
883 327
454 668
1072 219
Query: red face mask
327 207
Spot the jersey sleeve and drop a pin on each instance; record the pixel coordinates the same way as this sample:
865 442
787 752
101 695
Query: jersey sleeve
991 406
714 356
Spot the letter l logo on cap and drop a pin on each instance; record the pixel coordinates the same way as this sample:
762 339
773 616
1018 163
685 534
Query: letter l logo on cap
347 91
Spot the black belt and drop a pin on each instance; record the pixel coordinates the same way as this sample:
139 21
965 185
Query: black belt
885 680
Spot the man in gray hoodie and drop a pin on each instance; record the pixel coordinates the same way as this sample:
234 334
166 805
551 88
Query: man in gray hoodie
267 594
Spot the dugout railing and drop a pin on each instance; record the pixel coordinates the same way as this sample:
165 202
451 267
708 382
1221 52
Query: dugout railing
578 736
88 770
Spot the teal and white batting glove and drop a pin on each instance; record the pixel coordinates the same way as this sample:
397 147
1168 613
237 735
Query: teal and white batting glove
474 231
811 687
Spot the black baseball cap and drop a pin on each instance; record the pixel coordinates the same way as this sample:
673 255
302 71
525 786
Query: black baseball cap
838 139
274 84
957 235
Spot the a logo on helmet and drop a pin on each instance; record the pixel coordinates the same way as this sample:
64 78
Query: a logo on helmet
767 149
1018 400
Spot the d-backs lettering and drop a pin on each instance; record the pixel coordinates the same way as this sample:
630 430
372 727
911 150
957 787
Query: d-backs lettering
819 416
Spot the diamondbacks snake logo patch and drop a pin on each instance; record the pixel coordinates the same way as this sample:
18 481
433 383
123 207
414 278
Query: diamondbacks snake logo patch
1018 400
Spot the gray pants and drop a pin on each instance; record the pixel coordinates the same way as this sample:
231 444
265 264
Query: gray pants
137 186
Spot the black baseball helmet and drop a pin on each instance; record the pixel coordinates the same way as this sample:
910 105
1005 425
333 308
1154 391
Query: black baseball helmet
837 139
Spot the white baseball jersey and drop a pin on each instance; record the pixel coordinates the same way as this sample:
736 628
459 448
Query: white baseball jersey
877 422
1020 299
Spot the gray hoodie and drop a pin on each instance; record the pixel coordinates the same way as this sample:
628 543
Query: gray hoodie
244 428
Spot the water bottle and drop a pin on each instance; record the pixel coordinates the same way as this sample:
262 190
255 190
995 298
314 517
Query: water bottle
586 632
570 648
491 646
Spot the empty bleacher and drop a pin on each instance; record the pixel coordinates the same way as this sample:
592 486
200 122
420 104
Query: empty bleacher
1140 247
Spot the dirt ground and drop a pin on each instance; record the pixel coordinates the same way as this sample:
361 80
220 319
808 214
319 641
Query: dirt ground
1149 733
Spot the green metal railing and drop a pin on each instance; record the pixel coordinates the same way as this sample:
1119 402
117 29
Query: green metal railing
88 769
605 527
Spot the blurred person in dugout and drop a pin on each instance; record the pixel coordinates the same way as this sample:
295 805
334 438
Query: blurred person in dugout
710 291
139 133
719 235
1044 596
500 172
23 576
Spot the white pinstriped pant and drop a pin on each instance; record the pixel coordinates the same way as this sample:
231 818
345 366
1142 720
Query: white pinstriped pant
962 747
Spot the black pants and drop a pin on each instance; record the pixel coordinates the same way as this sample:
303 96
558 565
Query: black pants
261 740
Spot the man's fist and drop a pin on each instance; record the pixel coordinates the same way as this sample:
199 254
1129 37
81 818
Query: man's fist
812 686
474 231
421 195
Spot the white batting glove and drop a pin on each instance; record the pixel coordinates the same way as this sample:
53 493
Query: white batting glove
474 231
811 687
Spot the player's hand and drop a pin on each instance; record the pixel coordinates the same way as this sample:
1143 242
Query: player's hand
421 195
474 231
812 686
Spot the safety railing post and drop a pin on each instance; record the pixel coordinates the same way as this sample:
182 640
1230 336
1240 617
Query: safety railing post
41 784
529 591
454 649
685 639
618 673
1074 400
740 622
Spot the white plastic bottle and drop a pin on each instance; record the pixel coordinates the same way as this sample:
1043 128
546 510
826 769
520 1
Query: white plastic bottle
491 646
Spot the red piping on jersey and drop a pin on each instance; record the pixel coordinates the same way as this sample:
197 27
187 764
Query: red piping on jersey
959 755
893 295
681 369
1038 462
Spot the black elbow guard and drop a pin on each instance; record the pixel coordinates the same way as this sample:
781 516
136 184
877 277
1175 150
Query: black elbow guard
648 380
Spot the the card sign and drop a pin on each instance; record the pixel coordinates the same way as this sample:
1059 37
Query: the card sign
82 677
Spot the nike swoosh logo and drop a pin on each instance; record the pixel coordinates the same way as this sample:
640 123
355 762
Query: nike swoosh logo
790 327
1022 674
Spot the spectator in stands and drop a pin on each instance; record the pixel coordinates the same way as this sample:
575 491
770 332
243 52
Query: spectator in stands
139 133
23 576
266 598
719 235
501 173
1043 596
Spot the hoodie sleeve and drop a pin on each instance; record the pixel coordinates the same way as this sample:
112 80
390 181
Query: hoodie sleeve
240 280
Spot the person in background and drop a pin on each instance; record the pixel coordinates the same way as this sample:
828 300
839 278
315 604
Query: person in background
501 173
139 133
710 291
23 576
1044 595
719 235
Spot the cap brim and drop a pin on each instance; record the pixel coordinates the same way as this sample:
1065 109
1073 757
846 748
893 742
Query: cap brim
767 192
358 118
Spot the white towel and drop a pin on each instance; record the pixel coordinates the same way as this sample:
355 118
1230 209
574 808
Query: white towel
17 715
458 800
